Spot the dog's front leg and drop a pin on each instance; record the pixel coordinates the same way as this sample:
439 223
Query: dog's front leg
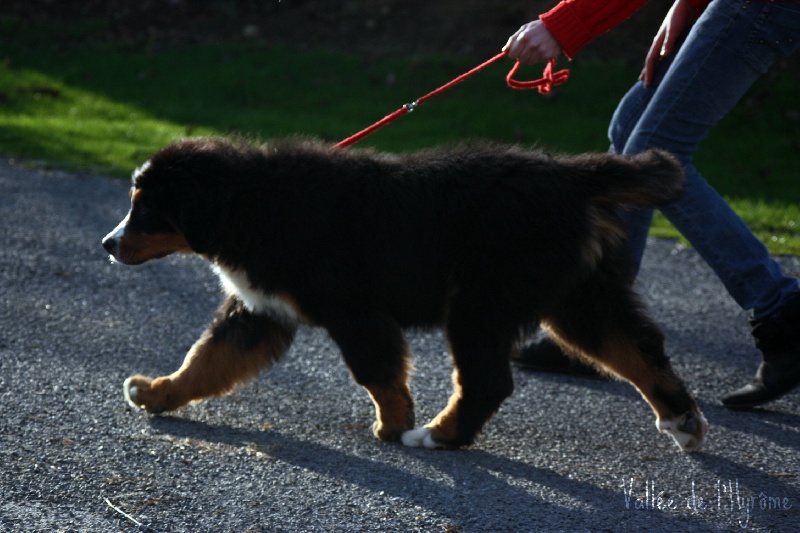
237 344
394 409
481 379
474 401
377 354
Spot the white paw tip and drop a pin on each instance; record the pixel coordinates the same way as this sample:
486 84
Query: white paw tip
688 431
420 438
131 394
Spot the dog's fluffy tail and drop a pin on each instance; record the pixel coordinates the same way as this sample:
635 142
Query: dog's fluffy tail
649 179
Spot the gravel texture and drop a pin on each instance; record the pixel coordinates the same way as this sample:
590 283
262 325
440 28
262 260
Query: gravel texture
294 450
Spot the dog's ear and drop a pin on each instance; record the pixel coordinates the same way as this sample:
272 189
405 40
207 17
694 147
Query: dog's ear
198 178
202 210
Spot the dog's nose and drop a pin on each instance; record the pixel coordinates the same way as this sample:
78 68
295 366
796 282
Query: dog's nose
110 244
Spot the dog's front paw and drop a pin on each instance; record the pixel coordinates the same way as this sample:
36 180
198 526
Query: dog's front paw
385 432
420 438
131 389
152 395
688 430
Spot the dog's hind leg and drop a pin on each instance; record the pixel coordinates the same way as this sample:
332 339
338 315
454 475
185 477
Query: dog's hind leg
482 378
232 350
609 329
379 360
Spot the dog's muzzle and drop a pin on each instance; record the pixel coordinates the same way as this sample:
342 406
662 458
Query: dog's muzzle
111 241
111 244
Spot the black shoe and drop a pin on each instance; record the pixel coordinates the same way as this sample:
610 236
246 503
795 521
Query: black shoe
546 356
778 338
774 378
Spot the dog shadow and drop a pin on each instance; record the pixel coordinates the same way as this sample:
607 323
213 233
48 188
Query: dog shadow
471 474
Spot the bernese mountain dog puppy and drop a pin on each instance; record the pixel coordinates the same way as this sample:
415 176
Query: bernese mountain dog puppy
485 240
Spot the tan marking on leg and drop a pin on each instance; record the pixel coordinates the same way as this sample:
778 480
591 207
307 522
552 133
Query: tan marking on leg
622 358
394 406
394 410
572 351
444 427
210 368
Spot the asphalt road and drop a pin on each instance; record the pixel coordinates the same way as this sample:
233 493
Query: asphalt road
294 451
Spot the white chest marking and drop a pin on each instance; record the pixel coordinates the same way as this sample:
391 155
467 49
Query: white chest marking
236 283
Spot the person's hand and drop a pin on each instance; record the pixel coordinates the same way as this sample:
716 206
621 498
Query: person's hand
532 43
679 19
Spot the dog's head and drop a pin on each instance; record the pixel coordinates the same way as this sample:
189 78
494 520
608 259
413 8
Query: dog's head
178 199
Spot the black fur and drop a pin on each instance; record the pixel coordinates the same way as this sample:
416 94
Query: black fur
485 240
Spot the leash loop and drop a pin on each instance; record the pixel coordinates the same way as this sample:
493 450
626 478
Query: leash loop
544 85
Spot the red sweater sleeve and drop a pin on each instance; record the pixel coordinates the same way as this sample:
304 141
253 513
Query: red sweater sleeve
574 23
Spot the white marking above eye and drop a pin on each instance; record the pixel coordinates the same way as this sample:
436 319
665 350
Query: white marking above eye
141 169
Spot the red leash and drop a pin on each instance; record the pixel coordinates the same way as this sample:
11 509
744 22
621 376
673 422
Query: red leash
544 84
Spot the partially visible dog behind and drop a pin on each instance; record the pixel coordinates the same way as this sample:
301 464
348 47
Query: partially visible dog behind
487 241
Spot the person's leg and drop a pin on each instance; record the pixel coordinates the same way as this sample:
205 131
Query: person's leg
731 45
717 64
623 122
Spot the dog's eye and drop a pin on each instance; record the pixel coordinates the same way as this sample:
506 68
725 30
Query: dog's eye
140 209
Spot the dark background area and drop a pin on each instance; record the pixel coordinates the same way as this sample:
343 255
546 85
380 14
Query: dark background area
365 27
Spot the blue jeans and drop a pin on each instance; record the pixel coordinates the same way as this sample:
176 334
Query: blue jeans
728 48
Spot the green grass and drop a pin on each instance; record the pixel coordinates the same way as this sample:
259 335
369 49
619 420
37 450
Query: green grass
105 108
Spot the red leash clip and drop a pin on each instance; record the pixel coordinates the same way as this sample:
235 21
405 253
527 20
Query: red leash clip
544 84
